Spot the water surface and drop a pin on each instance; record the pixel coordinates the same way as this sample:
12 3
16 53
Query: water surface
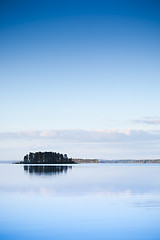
94 201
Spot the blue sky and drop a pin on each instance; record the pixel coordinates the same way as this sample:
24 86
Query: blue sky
81 67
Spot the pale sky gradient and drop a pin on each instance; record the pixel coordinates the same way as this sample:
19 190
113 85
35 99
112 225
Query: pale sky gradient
80 67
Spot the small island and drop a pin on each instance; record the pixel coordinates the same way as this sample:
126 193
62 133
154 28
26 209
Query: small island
46 158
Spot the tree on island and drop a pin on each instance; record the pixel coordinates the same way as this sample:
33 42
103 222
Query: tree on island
46 158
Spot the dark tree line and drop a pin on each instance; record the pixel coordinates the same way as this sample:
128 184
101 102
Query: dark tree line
46 158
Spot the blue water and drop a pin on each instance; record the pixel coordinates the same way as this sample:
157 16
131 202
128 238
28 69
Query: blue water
80 202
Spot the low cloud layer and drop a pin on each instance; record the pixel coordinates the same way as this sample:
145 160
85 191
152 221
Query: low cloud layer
101 136
102 144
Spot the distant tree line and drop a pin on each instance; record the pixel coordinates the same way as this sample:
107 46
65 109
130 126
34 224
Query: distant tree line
46 158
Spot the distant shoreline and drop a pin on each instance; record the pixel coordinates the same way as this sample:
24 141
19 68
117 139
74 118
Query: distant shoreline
142 161
89 161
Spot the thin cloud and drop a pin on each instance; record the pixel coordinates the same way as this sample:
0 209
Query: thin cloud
148 120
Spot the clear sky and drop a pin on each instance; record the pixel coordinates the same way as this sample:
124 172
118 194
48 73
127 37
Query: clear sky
81 77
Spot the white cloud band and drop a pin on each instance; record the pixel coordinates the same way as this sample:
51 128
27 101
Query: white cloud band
77 135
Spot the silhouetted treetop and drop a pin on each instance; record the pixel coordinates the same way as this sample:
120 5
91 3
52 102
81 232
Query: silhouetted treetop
46 158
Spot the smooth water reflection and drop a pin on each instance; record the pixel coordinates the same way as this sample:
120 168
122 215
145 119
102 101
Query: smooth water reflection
46 170
94 201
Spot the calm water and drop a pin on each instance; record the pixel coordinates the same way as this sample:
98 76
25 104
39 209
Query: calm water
80 202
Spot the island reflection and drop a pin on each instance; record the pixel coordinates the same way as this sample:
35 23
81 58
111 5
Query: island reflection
46 170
